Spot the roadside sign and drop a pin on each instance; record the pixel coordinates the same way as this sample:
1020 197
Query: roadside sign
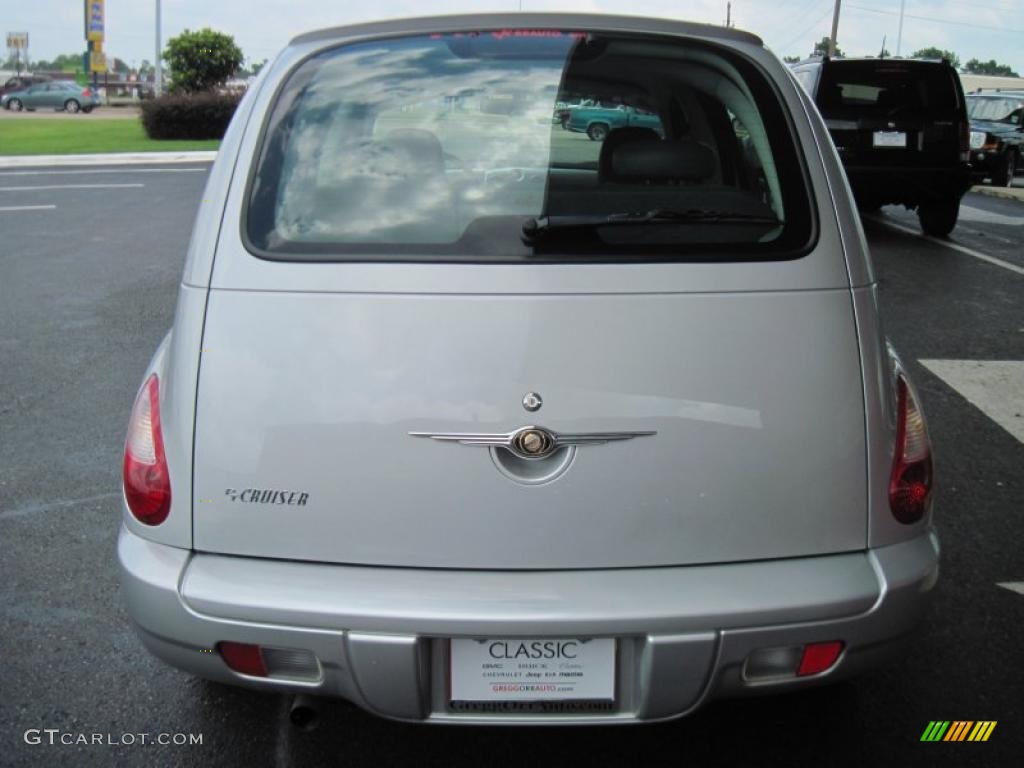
94 13
97 61
17 41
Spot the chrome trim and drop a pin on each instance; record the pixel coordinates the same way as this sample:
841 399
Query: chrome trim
514 443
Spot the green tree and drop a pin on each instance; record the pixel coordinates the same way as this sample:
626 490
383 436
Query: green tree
937 53
990 67
791 59
202 60
66 62
821 48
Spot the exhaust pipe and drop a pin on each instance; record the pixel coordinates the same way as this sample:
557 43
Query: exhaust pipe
303 713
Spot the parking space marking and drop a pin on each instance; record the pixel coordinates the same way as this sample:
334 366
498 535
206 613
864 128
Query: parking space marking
104 170
995 387
1013 586
4 208
954 246
970 213
70 186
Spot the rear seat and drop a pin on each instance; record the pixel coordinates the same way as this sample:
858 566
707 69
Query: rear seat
639 171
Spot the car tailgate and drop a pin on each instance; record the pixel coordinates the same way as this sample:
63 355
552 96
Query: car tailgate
307 400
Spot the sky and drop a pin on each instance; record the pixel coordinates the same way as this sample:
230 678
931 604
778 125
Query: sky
982 29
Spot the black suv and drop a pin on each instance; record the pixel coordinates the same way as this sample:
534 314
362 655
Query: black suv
997 135
901 129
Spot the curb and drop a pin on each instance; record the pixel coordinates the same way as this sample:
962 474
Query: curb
1005 193
112 158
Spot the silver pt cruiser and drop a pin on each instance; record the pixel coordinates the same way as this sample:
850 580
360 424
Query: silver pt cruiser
467 418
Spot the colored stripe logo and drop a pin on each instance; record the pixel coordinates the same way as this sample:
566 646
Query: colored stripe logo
958 730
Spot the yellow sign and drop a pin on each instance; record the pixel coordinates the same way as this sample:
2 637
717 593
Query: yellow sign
94 12
17 40
97 61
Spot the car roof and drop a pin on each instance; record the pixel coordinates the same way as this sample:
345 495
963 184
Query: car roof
476 21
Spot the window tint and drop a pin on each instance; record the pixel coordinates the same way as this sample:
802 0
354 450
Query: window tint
884 86
517 144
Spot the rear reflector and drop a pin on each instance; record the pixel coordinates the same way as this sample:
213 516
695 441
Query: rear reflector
818 657
910 483
787 662
278 663
147 483
244 658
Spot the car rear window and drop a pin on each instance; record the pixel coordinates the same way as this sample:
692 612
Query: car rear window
508 145
887 86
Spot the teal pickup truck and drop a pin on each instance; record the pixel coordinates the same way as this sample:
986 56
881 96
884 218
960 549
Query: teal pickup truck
596 122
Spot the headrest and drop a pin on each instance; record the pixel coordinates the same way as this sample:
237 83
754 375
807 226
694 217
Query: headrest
614 140
662 161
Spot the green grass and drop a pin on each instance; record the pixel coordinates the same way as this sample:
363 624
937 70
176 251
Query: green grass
84 136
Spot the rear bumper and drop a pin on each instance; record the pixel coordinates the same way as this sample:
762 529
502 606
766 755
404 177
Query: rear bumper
910 185
984 163
380 634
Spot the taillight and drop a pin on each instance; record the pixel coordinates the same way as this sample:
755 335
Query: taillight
86 92
147 483
910 484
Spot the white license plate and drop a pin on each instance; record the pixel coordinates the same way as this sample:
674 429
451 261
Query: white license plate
889 139
533 669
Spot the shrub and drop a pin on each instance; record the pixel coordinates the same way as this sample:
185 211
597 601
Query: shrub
189 116
202 60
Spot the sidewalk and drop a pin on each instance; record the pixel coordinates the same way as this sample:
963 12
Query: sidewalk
1006 193
111 158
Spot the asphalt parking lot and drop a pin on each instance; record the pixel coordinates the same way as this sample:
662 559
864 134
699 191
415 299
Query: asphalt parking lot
90 259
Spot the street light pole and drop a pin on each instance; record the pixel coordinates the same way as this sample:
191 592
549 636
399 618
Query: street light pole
835 31
899 34
158 75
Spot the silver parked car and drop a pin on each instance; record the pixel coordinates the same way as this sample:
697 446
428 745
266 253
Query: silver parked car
467 418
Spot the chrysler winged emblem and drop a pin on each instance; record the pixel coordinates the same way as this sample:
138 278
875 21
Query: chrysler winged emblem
531 442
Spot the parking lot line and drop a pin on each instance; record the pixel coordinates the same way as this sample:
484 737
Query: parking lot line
5 208
104 170
970 213
995 387
954 246
1013 586
69 186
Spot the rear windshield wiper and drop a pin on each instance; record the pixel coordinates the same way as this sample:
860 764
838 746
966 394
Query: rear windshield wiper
536 228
